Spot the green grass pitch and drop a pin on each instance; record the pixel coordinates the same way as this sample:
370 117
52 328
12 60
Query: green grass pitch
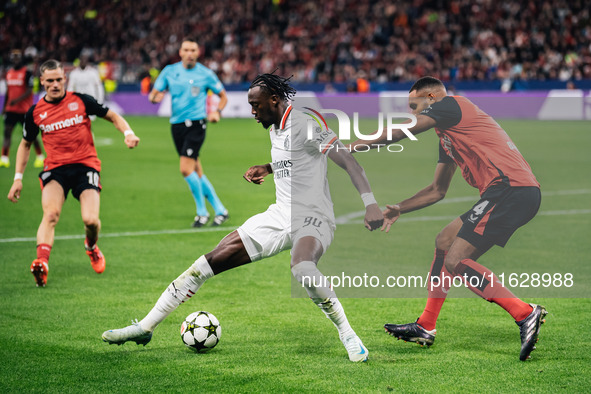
274 339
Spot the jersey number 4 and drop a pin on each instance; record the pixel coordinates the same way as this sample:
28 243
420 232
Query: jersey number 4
478 210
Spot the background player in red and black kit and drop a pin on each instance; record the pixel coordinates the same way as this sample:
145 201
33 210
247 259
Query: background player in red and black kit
18 99
71 163
510 197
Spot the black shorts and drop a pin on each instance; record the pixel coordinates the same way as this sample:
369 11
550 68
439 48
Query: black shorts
501 210
12 118
188 137
75 177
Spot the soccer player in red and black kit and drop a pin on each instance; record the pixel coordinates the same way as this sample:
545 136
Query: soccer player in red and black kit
19 98
509 198
71 163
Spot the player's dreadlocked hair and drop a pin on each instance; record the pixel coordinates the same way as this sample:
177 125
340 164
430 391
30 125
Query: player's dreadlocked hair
274 84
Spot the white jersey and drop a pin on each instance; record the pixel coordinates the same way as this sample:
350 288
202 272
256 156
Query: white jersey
87 81
300 165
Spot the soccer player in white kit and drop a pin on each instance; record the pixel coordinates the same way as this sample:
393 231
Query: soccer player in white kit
302 218
86 79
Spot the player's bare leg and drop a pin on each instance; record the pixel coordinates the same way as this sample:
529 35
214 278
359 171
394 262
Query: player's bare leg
52 201
187 168
186 165
221 213
460 250
448 235
198 168
4 159
480 280
229 253
305 255
423 330
38 163
89 209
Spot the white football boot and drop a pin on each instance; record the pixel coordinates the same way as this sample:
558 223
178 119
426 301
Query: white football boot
130 333
357 351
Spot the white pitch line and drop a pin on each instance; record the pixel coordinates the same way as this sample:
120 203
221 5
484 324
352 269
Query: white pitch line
566 192
227 229
103 141
566 212
127 234
346 218
446 218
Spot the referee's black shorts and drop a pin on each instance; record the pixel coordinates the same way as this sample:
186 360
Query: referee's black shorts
501 210
188 137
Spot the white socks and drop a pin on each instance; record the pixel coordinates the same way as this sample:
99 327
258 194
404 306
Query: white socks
322 295
180 290
306 273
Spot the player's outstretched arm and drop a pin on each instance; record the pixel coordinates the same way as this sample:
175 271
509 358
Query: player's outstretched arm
343 158
22 156
430 195
257 174
391 215
4 105
155 96
216 115
131 140
424 123
22 97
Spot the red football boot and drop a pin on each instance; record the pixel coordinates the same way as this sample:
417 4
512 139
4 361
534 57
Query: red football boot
97 260
40 269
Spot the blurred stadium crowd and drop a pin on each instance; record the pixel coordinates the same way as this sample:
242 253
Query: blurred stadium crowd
317 41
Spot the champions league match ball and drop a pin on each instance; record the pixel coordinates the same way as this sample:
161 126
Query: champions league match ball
201 331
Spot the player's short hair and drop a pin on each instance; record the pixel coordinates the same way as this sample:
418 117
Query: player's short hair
189 39
50 64
274 84
426 82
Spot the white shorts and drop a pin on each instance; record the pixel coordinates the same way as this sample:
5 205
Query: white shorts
273 231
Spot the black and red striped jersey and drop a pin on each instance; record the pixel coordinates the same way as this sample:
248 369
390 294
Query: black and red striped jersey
65 129
17 83
478 145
